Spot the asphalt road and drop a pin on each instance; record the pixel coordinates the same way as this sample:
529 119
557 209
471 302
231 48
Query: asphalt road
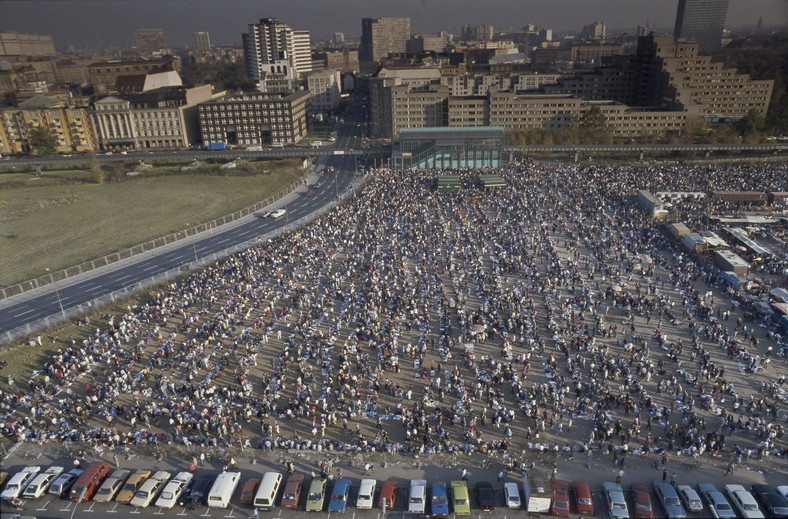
52 302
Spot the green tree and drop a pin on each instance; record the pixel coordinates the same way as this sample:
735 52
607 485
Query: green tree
43 142
95 167
750 126
593 119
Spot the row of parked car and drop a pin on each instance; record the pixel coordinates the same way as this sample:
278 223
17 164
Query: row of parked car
142 488
733 501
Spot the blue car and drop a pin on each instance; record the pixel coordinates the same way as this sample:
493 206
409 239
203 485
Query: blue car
669 499
719 506
439 505
339 495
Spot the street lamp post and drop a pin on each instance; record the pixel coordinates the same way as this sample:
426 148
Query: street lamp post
59 302
81 497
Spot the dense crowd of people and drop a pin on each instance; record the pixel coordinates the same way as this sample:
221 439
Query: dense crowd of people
408 320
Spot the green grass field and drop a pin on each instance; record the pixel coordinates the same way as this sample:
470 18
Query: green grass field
65 217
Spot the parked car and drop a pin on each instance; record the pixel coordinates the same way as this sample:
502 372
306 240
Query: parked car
18 482
133 484
62 484
669 499
486 498
743 501
583 501
293 486
249 490
339 495
690 498
718 505
511 493
316 496
616 504
172 492
150 489
111 486
773 503
641 501
366 494
417 496
40 484
199 491
560 506
388 493
459 497
439 504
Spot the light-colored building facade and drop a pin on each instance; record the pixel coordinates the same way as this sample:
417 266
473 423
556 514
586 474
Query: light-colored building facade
255 118
326 89
24 44
273 47
149 41
383 36
202 41
71 126
162 118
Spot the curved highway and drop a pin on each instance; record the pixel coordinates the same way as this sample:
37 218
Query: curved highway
31 311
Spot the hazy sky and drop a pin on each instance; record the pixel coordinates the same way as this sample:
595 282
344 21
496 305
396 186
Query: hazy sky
84 23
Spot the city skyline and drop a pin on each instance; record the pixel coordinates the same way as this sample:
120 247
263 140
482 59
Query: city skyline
103 23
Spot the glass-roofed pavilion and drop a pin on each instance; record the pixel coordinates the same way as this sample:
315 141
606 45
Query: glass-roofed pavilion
449 147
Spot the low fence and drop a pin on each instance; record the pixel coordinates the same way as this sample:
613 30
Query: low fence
76 270
75 311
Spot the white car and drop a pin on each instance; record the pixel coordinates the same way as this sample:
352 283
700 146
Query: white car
783 491
690 498
511 493
278 213
743 502
41 482
150 489
19 482
366 494
63 482
169 496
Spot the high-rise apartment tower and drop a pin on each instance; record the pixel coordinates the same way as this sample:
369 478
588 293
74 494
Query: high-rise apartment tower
701 21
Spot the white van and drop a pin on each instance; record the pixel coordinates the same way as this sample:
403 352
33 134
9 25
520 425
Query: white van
222 489
266 493
417 496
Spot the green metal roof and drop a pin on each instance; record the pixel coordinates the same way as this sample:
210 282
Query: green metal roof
452 129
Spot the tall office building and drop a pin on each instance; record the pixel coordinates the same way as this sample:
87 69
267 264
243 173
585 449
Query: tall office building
203 41
149 41
272 47
701 21
383 36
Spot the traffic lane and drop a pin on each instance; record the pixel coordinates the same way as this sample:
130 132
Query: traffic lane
68 296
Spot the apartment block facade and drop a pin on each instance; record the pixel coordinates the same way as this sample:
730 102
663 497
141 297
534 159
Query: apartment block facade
326 89
71 126
255 118
383 36
274 48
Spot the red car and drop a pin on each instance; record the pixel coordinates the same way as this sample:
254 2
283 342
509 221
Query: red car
642 501
560 498
585 506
